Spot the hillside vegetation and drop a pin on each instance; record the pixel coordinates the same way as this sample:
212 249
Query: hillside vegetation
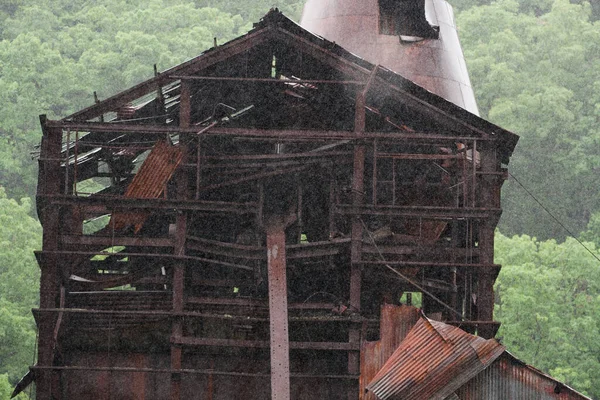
535 67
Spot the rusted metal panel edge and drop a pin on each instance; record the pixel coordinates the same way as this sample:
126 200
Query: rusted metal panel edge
395 323
544 375
156 170
509 375
433 361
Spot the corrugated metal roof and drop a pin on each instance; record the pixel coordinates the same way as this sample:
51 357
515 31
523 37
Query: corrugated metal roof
510 379
149 182
432 362
395 324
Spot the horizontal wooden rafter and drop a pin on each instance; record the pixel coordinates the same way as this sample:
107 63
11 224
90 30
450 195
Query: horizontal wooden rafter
425 212
194 341
109 203
188 371
261 133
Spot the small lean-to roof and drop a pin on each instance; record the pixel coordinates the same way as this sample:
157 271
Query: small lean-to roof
436 361
432 362
278 30
511 379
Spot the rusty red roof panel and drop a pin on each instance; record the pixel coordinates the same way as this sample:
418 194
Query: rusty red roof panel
510 379
395 324
149 182
432 362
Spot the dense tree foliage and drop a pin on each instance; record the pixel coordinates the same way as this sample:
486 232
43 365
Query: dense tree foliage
55 54
20 235
6 389
548 299
534 67
539 77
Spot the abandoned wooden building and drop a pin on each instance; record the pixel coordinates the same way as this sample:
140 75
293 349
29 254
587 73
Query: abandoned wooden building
256 222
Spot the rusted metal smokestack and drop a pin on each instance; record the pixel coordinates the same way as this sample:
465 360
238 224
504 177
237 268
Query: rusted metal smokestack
415 38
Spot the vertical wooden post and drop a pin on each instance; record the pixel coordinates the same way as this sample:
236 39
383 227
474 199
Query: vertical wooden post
358 187
278 312
486 278
50 177
178 303
179 248
358 198
139 378
185 105
299 213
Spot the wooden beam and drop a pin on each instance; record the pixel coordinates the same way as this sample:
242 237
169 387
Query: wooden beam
110 241
49 178
189 371
433 264
334 346
107 204
278 313
266 80
426 212
433 137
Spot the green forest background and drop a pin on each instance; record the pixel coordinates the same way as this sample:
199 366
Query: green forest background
535 67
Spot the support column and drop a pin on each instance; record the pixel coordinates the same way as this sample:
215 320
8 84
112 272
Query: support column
358 187
488 198
178 294
179 249
50 175
278 313
485 281
358 198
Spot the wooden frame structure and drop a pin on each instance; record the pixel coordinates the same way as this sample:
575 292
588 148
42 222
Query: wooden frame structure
233 225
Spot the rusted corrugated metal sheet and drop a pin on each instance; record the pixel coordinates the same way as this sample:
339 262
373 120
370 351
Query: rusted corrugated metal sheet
149 182
432 362
395 323
509 379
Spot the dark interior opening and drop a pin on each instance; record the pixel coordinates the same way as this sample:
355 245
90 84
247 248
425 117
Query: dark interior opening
405 18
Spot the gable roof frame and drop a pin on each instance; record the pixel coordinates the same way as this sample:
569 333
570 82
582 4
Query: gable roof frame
360 69
360 72
276 27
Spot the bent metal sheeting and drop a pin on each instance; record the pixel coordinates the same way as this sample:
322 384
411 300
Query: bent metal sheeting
432 362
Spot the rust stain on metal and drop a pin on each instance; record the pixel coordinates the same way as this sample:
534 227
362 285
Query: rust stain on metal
149 183
432 362
395 324
509 375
